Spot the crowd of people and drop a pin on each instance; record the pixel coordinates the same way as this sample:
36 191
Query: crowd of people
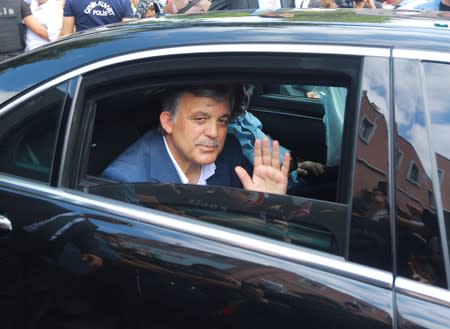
44 21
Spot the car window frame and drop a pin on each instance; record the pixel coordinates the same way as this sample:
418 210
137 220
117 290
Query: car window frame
86 104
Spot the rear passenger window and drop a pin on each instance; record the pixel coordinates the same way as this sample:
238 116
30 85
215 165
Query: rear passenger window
438 105
422 196
28 135
307 113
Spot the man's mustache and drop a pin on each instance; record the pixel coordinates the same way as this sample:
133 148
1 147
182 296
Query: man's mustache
207 142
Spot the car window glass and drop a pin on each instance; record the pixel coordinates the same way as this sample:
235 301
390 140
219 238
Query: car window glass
295 220
28 134
438 105
419 246
370 226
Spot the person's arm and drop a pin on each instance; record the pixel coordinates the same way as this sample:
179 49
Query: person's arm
171 7
68 26
199 7
33 24
269 174
219 5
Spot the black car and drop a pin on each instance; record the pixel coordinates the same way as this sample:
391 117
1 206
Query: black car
363 245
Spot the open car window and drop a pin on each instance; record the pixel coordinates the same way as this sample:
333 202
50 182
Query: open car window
307 112
308 216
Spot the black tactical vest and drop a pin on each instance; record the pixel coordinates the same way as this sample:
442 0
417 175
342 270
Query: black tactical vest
11 27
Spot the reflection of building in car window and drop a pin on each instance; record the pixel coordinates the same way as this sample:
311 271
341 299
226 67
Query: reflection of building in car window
366 129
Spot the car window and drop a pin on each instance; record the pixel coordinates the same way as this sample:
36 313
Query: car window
370 225
419 233
28 135
297 218
438 105
311 126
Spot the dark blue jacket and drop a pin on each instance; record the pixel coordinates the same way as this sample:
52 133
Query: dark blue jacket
147 160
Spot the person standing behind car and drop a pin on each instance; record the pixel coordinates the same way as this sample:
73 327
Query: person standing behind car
11 30
147 8
329 4
80 15
49 14
360 4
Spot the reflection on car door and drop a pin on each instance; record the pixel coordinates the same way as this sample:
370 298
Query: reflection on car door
80 265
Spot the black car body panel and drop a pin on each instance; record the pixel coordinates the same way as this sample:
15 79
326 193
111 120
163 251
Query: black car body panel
210 283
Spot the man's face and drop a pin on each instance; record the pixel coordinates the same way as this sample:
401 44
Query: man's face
197 134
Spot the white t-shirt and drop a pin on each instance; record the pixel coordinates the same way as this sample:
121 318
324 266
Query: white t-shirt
269 4
50 15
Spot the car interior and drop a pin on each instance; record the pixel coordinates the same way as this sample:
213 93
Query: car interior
287 115
297 121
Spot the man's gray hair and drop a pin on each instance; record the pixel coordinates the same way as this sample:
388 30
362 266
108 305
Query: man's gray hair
219 93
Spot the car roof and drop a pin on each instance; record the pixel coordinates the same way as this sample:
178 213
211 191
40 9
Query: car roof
369 28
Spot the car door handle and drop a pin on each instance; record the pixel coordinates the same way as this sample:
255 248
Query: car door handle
5 224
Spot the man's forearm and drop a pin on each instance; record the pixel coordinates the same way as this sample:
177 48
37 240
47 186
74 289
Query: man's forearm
68 26
33 24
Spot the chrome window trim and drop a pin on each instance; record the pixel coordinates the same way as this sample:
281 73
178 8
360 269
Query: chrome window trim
266 246
423 291
208 49
421 55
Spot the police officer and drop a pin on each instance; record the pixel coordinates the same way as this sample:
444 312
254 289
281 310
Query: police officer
13 16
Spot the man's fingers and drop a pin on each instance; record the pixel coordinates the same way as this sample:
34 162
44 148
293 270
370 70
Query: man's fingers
246 180
286 164
257 156
276 154
266 152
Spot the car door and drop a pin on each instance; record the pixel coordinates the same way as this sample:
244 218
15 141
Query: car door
91 252
422 198
143 99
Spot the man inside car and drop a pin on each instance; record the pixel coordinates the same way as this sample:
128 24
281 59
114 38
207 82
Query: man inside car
192 146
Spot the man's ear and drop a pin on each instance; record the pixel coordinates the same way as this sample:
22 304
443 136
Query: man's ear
165 118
